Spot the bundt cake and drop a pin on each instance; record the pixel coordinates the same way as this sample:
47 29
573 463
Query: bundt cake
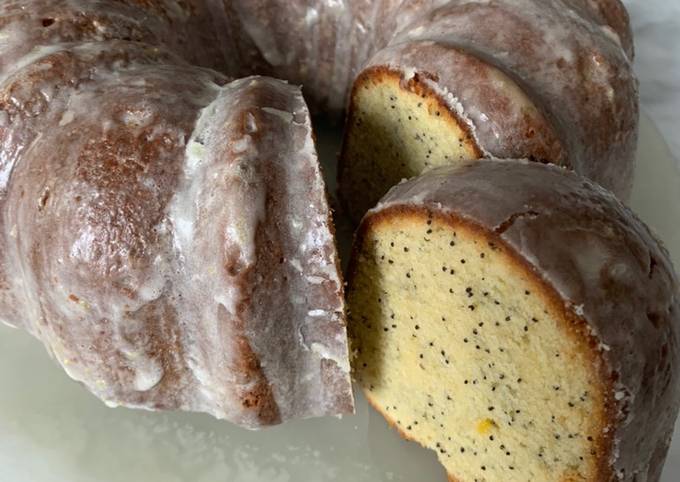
519 320
546 80
163 227
166 234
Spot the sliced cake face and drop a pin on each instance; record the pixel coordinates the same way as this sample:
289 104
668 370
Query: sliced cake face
396 130
463 349
516 303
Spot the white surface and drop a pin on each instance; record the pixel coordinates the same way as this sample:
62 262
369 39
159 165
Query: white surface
656 198
52 430
656 26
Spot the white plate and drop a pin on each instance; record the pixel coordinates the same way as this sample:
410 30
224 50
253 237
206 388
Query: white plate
51 429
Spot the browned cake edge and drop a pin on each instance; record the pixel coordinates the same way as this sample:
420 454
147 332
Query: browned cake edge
414 85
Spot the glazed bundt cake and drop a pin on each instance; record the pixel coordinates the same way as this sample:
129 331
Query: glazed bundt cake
164 227
546 80
520 321
167 236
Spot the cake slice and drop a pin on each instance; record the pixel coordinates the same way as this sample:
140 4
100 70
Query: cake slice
520 321
403 123
530 79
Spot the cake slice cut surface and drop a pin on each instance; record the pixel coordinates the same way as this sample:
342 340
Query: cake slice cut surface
519 320
397 128
459 345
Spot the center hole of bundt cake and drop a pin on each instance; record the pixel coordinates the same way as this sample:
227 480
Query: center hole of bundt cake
456 344
396 129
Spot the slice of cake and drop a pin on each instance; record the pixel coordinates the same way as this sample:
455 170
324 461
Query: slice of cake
401 124
543 80
520 321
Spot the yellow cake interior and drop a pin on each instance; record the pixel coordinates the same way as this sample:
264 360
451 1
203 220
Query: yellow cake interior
396 131
456 344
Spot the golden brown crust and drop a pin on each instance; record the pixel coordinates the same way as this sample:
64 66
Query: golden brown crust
382 73
416 86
